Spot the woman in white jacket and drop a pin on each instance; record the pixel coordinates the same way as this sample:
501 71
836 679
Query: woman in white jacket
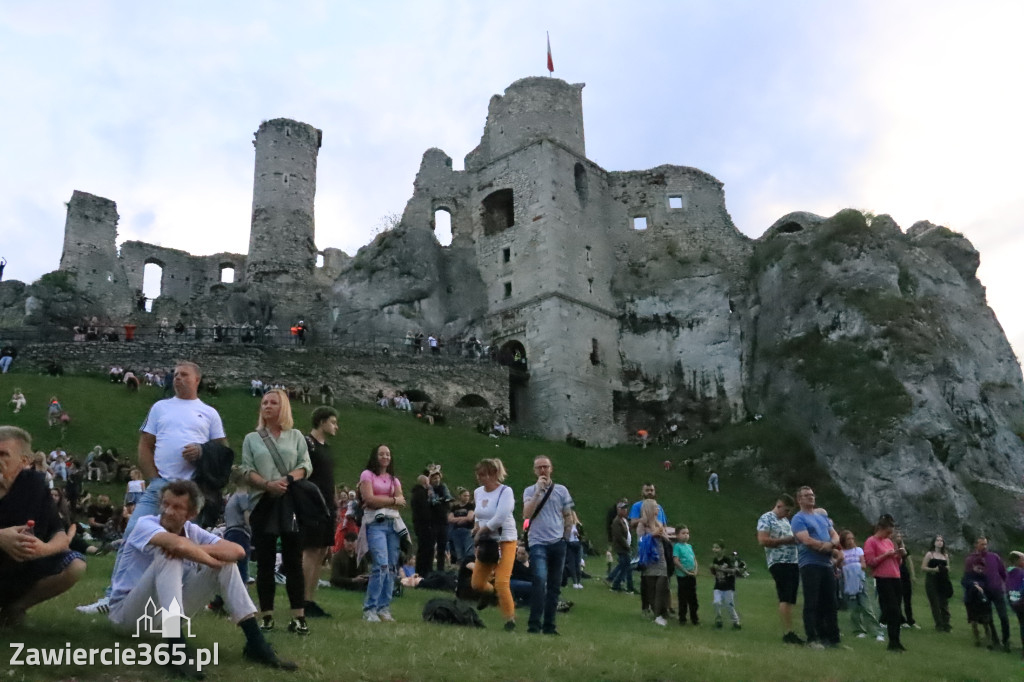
495 503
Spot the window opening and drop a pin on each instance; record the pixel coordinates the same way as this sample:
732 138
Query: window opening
508 289
640 223
443 226
582 183
506 255
227 274
152 283
498 212
675 202
319 260
595 356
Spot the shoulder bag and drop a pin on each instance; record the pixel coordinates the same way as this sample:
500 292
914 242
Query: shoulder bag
526 533
303 506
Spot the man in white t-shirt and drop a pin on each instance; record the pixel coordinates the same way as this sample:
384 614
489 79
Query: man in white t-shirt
174 567
170 442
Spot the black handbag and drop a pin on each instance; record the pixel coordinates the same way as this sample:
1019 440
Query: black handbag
303 506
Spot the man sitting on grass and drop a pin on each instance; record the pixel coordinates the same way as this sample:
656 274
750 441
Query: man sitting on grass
35 563
168 558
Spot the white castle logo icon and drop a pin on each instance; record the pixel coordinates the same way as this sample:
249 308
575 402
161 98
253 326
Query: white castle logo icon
164 622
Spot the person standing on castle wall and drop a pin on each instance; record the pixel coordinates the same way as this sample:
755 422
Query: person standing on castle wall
3 264
315 545
432 342
300 332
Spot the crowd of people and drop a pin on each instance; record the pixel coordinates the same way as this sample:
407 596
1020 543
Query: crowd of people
286 512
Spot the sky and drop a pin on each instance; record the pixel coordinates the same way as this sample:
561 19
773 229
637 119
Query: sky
911 108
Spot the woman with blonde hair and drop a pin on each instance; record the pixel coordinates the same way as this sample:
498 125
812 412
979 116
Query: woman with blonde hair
653 554
273 457
494 532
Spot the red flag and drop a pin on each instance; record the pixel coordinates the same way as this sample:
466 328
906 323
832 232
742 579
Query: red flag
551 64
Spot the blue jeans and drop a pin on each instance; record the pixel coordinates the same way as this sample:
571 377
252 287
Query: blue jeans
149 505
623 571
461 541
547 563
243 540
383 543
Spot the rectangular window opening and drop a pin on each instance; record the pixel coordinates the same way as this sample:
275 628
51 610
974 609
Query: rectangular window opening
508 289
506 255
640 223
675 202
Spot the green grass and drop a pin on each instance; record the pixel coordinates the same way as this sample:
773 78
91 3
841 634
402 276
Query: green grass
603 638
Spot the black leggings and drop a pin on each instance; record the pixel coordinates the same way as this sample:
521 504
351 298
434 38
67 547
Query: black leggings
265 553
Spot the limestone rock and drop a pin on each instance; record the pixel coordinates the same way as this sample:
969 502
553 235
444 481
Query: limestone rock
882 348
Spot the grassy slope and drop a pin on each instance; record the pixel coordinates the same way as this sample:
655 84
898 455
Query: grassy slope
603 638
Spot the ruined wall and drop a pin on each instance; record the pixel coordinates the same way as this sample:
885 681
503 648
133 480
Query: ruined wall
282 248
355 378
531 109
183 276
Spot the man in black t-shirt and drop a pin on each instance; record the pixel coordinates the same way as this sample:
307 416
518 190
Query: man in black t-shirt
35 563
316 544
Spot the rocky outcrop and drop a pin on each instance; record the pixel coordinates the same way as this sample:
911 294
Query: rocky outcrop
406 281
879 346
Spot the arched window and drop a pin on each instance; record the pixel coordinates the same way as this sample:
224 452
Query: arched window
227 273
443 226
582 189
152 282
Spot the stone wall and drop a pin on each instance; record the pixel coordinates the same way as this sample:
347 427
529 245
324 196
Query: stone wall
354 377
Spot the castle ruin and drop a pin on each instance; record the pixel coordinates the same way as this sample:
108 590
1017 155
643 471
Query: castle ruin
623 300
547 263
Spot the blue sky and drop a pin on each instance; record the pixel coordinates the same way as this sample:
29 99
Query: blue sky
909 108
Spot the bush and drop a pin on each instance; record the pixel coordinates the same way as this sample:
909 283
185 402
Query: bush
862 392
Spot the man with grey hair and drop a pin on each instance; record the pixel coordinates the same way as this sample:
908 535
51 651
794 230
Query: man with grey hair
173 564
35 562
170 443
549 507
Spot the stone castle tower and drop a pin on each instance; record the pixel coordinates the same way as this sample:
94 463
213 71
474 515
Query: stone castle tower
564 247
281 240
90 240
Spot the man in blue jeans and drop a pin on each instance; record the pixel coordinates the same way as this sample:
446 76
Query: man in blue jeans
170 443
549 507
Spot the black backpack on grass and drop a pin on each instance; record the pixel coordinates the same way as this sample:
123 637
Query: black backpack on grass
451 612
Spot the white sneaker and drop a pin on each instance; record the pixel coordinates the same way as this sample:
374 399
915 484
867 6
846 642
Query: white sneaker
101 605
385 615
578 586
371 616
660 621
880 638
861 635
